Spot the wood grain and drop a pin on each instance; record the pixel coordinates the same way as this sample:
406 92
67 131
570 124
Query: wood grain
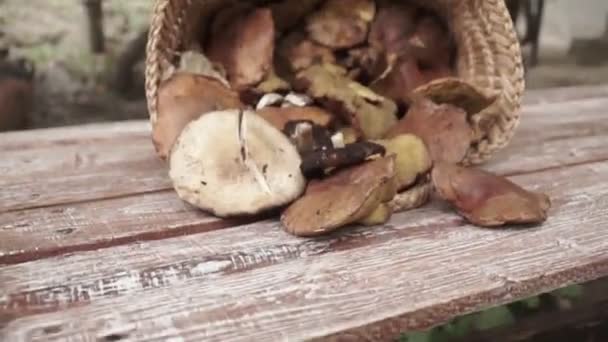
39 233
72 135
564 94
119 164
68 165
549 137
257 283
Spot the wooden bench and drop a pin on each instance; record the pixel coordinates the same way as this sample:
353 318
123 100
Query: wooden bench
95 245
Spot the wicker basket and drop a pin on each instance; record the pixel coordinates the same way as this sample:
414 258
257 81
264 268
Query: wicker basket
488 57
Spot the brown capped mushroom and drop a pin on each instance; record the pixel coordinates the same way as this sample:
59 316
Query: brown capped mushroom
185 97
349 196
431 43
340 24
234 163
316 163
403 75
287 14
299 52
244 45
393 24
444 129
488 200
370 114
457 92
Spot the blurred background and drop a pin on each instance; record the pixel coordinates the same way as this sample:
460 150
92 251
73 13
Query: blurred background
82 60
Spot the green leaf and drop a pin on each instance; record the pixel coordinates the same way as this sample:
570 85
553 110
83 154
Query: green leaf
494 317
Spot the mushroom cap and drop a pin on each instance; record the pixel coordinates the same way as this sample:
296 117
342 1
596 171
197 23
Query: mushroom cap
183 98
234 163
346 197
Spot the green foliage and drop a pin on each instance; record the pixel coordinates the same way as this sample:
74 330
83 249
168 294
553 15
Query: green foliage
489 318
532 302
494 317
570 292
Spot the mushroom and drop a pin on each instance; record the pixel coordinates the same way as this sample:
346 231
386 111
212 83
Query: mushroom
183 98
299 52
287 14
340 24
431 43
392 26
349 196
272 84
234 163
488 200
370 114
404 75
444 128
321 161
237 39
308 136
412 158
457 92
280 116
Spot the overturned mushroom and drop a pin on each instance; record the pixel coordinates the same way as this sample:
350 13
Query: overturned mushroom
488 200
237 39
444 128
234 163
183 98
341 24
370 114
352 195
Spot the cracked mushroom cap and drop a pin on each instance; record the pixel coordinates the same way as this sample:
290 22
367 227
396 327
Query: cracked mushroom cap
234 163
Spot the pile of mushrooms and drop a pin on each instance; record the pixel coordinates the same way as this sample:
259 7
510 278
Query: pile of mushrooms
315 109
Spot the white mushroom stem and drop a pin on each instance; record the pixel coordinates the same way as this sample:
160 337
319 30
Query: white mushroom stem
337 140
269 99
296 100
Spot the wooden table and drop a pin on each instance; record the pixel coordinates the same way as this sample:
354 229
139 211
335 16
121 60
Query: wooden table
95 245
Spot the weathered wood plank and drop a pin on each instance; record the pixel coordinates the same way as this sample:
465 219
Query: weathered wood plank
255 282
75 156
563 94
39 233
73 135
43 228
